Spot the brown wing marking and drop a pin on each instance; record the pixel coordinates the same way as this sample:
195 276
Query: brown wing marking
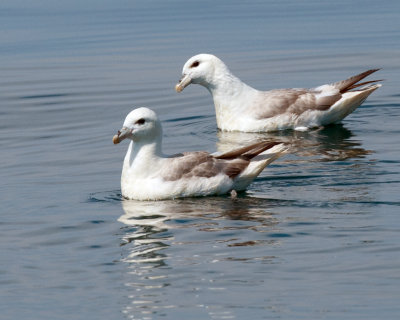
190 164
202 164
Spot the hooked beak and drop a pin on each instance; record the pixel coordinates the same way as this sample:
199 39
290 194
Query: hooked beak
183 83
121 135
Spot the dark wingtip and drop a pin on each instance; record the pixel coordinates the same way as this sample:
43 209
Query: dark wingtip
250 151
363 84
352 82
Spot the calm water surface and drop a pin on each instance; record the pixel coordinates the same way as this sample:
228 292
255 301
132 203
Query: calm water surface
317 236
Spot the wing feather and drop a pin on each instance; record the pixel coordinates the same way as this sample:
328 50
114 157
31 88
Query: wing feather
201 164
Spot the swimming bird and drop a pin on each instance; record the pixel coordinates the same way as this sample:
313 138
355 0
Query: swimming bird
149 174
240 107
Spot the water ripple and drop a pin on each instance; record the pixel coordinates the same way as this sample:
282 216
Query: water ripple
106 196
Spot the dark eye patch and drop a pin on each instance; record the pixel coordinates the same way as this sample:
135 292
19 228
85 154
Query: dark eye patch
195 64
140 121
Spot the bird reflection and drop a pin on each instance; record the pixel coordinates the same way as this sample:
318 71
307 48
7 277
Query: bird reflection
147 231
153 216
330 143
149 223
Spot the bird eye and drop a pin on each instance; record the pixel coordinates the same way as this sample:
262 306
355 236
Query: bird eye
140 121
195 64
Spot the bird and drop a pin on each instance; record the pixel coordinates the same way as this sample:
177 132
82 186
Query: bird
149 174
240 107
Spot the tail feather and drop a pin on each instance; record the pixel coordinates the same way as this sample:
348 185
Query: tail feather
350 101
351 83
258 163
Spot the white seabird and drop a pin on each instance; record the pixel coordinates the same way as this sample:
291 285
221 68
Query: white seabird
240 107
148 174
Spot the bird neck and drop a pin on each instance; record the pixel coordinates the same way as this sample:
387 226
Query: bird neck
225 86
231 98
142 156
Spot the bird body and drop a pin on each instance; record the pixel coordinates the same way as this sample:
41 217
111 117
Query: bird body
240 107
148 174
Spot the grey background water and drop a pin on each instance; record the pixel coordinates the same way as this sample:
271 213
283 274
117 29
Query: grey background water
315 237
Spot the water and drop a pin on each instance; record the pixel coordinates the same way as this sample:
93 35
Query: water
315 237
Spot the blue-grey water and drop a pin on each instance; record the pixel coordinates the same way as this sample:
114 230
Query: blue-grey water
316 236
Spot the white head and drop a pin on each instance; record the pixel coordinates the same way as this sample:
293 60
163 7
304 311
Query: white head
201 69
140 125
